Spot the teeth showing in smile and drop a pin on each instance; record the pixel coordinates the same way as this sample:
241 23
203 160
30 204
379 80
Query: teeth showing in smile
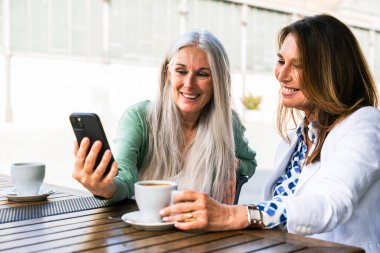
289 89
189 95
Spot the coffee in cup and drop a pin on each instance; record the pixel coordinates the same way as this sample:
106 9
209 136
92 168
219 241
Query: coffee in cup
153 195
27 178
151 184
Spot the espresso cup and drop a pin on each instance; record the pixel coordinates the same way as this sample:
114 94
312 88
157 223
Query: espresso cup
153 195
27 178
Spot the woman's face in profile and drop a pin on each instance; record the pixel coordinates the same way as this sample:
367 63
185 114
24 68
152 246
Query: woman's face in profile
288 72
191 80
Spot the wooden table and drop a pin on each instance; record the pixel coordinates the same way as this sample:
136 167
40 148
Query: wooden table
102 230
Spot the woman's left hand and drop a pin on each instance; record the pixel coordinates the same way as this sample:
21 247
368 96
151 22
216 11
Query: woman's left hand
197 211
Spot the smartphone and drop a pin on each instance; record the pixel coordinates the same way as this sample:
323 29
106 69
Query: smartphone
89 125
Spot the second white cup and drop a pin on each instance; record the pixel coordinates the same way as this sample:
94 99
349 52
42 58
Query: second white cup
27 178
153 195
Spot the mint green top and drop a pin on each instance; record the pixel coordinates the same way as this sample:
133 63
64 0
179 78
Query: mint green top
131 147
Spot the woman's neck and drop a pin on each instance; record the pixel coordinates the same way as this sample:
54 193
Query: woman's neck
189 127
189 131
189 121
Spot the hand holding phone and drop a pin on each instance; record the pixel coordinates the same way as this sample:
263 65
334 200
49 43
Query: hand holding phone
94 167
89 125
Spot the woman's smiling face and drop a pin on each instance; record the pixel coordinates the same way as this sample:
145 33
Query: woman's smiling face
190 76
288 72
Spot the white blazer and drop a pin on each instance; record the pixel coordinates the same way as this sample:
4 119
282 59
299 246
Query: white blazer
338 198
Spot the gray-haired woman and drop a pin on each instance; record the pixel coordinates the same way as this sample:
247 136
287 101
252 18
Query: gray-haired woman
189 134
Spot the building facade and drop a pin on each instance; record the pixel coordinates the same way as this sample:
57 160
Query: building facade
138 32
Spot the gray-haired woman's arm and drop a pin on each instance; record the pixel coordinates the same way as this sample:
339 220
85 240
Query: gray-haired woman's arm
243 152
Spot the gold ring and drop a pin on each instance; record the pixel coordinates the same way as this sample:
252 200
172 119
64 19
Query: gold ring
189 215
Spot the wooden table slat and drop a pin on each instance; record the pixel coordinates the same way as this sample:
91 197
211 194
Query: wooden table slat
56 245
124 243
182 244
221 244
77 232
61 228
98 240
282 248
250 246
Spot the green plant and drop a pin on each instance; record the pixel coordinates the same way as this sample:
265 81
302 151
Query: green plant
251 102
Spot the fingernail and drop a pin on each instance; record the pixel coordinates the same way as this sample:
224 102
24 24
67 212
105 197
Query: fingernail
165 219
162 212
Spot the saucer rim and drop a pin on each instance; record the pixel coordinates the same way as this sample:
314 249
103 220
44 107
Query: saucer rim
144 224
47 191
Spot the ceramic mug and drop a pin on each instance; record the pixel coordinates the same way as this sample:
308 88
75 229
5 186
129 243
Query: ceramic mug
27 178
153 195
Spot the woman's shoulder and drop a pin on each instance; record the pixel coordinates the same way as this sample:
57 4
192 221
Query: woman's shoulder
140 107
237 122
364 120
368 111
365 115
138 110
235 115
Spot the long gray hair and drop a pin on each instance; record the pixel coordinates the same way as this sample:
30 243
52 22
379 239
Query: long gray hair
208 163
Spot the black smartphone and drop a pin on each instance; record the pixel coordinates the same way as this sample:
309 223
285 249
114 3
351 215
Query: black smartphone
89 125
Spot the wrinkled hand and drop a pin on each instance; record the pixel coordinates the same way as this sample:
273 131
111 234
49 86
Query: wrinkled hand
92 178
198 211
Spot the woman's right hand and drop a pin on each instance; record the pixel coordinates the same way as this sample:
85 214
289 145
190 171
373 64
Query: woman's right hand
89 176
198 211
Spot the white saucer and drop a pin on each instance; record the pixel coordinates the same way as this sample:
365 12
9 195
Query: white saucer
11 195
138 222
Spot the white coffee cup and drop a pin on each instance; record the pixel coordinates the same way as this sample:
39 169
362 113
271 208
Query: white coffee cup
27 178
153 195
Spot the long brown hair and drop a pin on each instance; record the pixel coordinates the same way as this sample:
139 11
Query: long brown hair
335 79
